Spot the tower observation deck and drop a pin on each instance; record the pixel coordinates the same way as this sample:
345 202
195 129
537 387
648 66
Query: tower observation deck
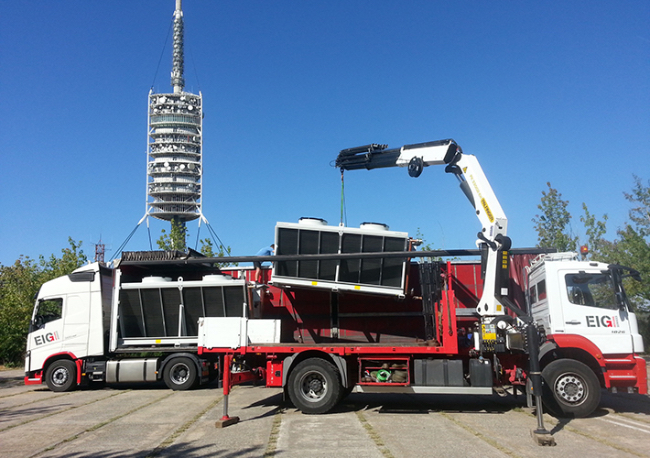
175 144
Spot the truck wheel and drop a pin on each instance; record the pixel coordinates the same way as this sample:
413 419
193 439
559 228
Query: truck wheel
314 386
345 392
571 389
180 374
61 376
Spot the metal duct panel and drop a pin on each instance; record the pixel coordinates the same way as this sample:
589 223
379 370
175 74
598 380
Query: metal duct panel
379 275
154 312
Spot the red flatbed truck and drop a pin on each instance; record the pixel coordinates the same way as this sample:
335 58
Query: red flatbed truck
345 310
321 344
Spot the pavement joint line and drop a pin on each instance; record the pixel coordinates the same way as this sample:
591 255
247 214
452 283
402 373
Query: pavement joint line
628 424
374 435
631 417
99 425
271 446
575 430
62 411
27 403
4 396
483 437
173 436
554 422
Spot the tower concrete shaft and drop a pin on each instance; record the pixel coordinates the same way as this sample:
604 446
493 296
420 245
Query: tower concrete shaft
175 144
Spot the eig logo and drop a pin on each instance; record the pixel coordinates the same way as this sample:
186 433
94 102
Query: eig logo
595 321
45 338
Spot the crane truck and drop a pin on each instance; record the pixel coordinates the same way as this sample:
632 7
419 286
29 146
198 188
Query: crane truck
346 310
356 316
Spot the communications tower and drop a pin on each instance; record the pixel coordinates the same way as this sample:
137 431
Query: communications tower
175 144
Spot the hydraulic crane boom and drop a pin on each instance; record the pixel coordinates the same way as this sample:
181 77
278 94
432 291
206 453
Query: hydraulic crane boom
474 185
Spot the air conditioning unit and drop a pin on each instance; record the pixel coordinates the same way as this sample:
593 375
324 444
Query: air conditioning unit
313 236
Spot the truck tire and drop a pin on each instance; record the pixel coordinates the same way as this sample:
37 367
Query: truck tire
571 389
314 386
61 376
181 374
345 392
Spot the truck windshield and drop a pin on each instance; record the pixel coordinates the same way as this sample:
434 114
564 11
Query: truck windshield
592 289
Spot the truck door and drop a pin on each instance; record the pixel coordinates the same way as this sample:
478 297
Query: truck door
45 332
590 308
76 324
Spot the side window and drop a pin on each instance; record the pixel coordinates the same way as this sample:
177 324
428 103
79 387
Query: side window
592 290
48 310
533 294
541 290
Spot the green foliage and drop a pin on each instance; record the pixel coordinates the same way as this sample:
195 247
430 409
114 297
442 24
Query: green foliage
175 240
426 246
71 258
19 284
207 248
632 250
640 213
552 224
595 231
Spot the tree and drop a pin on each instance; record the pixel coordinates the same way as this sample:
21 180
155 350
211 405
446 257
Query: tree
71 258
632 247
640 214
19 284
207 248
175 240
551 224
595 231
426 246
632 250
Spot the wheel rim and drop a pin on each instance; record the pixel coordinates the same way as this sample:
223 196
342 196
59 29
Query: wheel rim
571 389
60 376
313 386
179 373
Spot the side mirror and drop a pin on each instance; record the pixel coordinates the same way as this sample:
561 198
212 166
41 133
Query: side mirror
38 322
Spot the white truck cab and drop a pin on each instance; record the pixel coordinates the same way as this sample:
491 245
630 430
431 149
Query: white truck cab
569 296
69 317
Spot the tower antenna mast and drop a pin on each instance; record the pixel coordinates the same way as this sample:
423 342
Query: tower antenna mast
178 62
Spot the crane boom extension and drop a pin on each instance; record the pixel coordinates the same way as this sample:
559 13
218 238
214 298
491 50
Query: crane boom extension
474 185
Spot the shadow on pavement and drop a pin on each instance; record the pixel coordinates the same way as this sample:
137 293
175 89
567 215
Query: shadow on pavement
181 449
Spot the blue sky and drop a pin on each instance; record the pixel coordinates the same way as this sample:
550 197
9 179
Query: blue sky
538 91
